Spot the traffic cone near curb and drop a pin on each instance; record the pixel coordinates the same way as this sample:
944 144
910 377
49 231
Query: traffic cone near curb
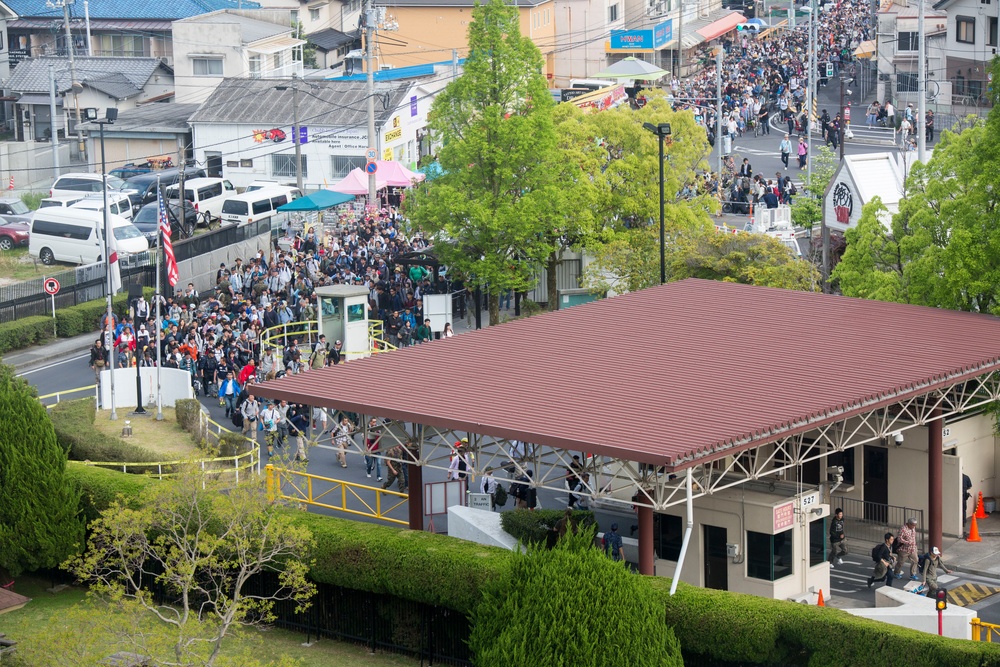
974 531
820 603
980 508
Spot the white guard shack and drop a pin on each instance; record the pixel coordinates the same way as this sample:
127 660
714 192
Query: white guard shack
343 315
857 180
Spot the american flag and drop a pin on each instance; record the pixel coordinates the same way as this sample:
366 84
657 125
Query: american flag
168 248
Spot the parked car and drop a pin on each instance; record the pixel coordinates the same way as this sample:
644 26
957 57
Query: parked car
77 236
146 221
13 234
82 183
12 209
118 204
141 189
61 202
207 195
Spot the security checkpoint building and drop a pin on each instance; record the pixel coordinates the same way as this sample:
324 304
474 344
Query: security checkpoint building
725 414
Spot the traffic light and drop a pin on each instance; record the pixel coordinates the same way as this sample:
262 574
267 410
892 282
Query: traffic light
829 70
942 599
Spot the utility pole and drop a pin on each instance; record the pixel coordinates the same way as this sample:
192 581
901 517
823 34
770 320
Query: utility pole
918 122
369 19
718 109
812 81
680 46
791 14
296 130
52 120
77 88
840 128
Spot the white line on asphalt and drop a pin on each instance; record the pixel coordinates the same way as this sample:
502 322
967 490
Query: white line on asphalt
58 363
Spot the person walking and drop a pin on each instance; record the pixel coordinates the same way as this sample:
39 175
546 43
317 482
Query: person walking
838 541
906 549
882 555
298 425
98 358
929 126
802 152
342 439
489 486
785 147
250 411
613 544
229 392
270 417
372 461
929 580
394 469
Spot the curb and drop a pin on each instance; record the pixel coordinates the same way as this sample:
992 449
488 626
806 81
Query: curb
34 357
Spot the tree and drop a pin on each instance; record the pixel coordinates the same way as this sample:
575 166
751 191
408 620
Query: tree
571 605
487 213
871 267
39 526
751 259
807 208
201 542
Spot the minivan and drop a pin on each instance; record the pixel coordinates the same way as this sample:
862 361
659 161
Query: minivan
141 189
76 236
60 202
118 204
82 183
207 195
257 205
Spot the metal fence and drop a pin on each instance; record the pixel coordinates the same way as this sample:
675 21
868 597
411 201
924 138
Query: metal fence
76 286
866 523
226 236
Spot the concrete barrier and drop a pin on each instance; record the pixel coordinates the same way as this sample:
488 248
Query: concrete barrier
901 607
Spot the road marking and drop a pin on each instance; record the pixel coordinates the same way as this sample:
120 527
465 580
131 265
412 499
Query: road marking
966 594
58 363
753 151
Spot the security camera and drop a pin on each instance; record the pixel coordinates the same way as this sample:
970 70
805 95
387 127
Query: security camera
835 470
898 438
848 91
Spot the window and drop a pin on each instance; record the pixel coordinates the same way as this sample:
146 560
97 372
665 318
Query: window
991 31
613 13
120 46
294 15
354 6
906 82
63 230
668 533
284 166
344 164
817 541
261 206
965 30
207 66
276 61
314 13
769 557
907 41
254 63
246 164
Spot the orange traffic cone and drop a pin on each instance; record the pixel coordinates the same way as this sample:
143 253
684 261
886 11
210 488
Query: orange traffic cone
980 508
819 603
974 531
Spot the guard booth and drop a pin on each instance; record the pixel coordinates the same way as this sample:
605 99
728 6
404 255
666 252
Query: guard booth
343 315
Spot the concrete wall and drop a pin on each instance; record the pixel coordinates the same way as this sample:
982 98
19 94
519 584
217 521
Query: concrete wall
31 164
479 526
974 442
902 608
582 24
217 40
174 385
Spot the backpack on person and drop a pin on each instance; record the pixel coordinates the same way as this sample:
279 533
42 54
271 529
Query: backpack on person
612 545
921 561
875 551
896 545
500 496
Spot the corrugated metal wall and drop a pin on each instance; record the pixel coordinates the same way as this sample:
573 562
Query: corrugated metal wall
567 277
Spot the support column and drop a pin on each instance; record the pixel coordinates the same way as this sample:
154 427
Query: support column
416 491
646 540
935 465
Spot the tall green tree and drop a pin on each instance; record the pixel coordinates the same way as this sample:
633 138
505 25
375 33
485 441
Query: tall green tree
807 208
39 525
871 267
487 214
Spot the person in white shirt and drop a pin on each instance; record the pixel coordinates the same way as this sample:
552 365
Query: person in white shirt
270 417
489 486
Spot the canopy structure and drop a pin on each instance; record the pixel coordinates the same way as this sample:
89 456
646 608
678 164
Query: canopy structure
631 68
721 26
317 201
866 49
432 170
356 183
396 175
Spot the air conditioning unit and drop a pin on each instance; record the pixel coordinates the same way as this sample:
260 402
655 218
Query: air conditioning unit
26 115
387 66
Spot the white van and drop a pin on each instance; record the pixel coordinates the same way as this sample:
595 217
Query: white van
207 195
75 235
257 205
118 204
59 202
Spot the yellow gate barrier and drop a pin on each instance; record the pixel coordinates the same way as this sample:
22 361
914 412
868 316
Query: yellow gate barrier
983 632
334 494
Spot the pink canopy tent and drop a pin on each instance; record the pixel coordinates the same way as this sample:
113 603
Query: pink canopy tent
356 182
396 175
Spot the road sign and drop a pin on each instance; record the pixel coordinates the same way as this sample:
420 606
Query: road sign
371 154
371 167
51 286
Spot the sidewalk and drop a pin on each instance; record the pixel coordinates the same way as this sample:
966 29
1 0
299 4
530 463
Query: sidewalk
982 558
38 355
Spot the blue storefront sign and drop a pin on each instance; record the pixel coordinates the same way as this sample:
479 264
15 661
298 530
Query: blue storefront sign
642 40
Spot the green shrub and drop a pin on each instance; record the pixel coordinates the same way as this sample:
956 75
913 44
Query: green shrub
33 199
99 487
533 527
24 332
571 605
231 444
74 424
188 413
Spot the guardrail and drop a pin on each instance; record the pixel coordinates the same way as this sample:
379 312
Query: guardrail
63 395
333 494
308 332
247 461
984 632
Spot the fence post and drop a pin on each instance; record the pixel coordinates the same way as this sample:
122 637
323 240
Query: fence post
976 630
269 482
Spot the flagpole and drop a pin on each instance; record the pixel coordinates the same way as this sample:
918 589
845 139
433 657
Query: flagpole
107 264
159 324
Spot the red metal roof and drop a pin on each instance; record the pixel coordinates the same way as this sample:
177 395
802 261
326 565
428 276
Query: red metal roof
676 374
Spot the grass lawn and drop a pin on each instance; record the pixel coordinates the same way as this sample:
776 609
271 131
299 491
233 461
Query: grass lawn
43 622
15 266
165 437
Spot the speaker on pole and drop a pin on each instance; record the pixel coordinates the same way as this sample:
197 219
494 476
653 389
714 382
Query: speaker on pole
134 291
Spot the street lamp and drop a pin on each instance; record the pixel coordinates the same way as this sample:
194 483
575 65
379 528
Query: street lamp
110 116
295 130
844 113
662 132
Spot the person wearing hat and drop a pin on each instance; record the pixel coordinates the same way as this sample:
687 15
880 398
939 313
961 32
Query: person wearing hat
613 544
932 561
906 549
460 461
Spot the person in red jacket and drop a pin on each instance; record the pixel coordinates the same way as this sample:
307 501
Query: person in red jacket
247 372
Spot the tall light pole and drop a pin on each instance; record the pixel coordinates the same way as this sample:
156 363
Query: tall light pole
111 115
368 14
662 132
297 140
918 122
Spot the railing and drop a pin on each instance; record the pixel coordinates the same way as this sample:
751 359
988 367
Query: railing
247 461
278 335
984 632
64 395
376 338
333 494
868 522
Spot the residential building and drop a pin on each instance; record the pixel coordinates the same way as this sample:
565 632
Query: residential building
122 83
970 45
233 44
330 25
246 126
898 48
116 28
140 134
583 30
6 16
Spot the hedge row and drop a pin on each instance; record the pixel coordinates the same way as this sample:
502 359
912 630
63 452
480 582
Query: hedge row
24 332
533 527
71 321
439 570
74 424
